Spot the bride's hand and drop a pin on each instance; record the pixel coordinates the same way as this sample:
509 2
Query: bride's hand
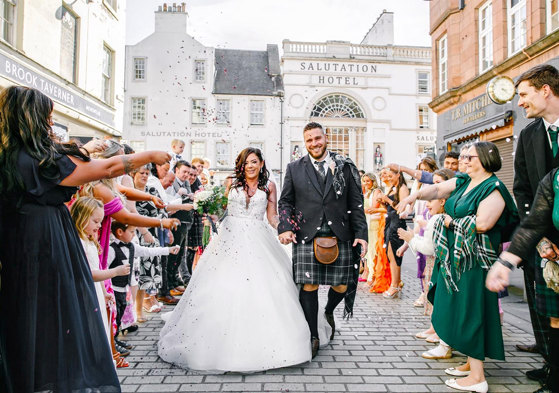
287 237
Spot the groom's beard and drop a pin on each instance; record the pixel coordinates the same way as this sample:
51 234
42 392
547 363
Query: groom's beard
320 155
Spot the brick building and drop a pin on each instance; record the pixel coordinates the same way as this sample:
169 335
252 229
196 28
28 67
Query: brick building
473 42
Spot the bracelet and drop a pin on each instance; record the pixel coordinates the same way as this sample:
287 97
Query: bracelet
84 149
505 263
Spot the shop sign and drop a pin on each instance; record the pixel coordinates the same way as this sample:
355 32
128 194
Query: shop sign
182 134
24 76
327 66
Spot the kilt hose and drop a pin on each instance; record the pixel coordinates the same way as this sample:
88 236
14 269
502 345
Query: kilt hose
307 270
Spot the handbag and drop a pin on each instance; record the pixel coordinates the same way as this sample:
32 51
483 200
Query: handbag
551 275
326 249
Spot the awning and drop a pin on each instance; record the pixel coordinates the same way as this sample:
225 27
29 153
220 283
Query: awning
493 122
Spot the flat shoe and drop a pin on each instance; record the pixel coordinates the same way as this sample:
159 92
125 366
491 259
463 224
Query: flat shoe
422 335
456 373
438 353
433 339
481 387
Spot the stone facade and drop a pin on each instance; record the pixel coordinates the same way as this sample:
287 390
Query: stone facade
74 53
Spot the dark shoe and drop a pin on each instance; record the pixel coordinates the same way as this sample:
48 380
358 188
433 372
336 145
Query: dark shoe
538 374
129 329
169 300
315 344
532 348
331 322
543 390
123 344
121 350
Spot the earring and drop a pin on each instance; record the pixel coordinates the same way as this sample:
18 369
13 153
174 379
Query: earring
261 170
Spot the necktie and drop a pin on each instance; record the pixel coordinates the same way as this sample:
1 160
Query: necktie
553 131
321 169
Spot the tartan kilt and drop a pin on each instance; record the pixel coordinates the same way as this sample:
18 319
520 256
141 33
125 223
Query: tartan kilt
307 270
547 301
196 231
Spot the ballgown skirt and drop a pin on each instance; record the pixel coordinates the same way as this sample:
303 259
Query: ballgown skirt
241 309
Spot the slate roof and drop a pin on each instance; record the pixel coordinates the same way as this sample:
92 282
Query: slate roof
246 72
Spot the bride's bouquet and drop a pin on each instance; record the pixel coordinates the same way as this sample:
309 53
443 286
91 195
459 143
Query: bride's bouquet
210 202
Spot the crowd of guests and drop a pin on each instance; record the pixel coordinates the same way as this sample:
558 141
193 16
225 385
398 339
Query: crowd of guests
463 217
117 236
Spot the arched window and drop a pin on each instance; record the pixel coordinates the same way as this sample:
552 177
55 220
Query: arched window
337 105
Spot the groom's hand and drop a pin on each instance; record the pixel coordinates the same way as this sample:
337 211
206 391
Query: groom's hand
363 246
287 237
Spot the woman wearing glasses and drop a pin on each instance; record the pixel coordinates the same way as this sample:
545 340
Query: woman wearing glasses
479 211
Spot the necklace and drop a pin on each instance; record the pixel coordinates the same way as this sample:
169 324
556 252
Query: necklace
251 190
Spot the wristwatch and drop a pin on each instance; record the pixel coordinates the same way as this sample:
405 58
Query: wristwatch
505 263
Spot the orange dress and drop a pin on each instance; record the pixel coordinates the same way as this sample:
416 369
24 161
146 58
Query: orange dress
382 277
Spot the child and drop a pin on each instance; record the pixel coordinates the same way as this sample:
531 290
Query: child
122 253
87 214
177 148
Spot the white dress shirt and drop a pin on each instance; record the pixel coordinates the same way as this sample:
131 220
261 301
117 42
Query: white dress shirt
547 124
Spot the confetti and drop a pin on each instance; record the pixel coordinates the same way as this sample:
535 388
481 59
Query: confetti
329 222
307 274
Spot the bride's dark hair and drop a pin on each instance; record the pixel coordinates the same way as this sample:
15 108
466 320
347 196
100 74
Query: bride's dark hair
240 179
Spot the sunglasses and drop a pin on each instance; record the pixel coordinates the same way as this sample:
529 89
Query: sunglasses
466 157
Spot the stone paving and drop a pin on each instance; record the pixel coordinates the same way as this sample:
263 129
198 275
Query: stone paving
374 352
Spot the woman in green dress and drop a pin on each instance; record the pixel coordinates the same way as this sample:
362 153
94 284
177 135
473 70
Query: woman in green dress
479 214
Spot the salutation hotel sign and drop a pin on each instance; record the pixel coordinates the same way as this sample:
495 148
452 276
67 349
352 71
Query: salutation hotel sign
337 73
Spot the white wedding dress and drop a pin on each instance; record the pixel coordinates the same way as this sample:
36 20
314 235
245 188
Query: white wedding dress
241 310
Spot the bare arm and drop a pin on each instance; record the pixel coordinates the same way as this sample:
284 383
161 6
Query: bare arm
89 171
428 193
271 209
489 211
416 174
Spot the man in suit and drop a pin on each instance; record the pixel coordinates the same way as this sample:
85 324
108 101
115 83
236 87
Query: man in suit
180 188
322 197
537 153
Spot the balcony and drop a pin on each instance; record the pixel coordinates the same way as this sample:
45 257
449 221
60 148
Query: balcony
347 50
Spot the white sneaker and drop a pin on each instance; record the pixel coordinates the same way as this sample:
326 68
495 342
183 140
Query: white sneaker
481 387
439 352
456 373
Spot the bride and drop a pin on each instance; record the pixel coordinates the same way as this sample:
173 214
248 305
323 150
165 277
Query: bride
241 310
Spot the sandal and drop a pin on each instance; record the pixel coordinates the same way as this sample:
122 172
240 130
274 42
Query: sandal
120 362
141 320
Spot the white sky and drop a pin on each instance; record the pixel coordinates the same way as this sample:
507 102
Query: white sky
251 24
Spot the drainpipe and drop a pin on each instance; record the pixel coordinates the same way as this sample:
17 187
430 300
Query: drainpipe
280 94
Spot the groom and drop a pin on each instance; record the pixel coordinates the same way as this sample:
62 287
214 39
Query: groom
321 196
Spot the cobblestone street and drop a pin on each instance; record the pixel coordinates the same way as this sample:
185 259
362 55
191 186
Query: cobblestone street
376 351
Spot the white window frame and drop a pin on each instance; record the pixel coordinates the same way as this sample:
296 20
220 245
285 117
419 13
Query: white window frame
428 82
515 11
72 75
196 154
7 23
442 63
200 73
258 144
137 117
485 37
551 18
223 157
220 119
257 117
136 69
107 78
423 121
198 112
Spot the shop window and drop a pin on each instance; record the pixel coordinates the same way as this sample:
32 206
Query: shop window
256 112
198 111
516 25
68 45
140 68
138 110
443 64
485 37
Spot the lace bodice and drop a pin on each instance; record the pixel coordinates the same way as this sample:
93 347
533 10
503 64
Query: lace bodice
237 204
